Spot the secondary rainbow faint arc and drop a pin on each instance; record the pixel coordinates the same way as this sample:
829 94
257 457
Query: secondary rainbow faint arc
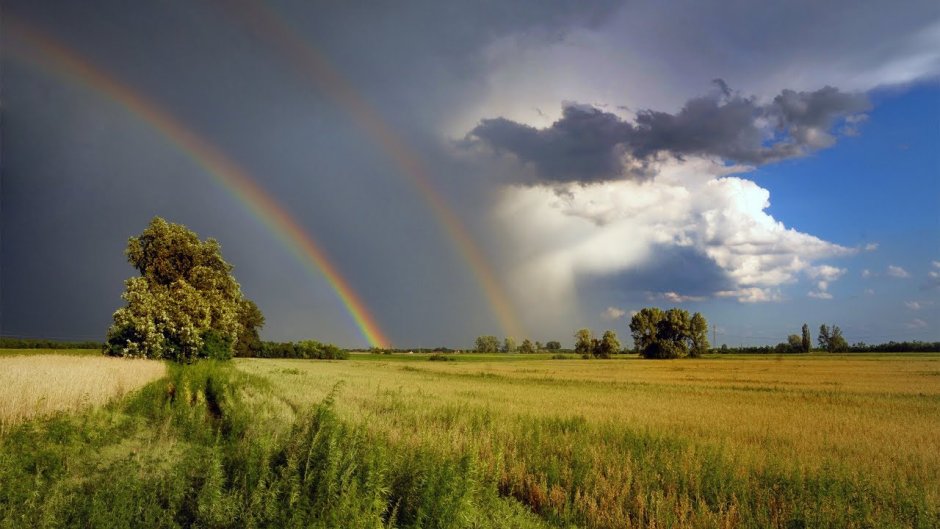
225 171
317 68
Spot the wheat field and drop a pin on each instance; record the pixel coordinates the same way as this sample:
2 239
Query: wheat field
773 441
39 385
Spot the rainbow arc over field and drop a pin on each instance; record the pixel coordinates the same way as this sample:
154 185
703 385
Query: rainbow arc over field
318 70
62 60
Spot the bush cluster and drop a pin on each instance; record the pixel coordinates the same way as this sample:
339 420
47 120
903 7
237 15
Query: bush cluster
305 349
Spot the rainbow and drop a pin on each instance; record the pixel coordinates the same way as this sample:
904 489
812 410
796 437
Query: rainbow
225 171
317 69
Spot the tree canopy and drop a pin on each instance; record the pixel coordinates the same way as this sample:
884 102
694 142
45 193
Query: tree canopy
185 304
669 334
832 340
487 344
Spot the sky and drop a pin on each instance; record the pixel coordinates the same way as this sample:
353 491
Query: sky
430 172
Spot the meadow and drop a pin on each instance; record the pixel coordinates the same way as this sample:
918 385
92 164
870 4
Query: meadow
494 441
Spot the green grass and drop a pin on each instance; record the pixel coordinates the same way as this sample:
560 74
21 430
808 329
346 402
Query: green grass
212 447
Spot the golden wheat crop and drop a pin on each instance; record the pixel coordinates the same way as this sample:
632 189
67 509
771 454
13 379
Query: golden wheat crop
40 385
870 421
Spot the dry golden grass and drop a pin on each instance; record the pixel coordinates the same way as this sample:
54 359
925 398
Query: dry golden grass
870 420
40 385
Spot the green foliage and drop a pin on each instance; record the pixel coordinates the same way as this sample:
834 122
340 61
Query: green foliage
250 320
795 343
487 344
583 342
305 349
698 335
553 345
608 345
644 327
184 291
437 357
837 343
669 334
832 341
210 447
806 341
528 347
509 345
215 346
824 337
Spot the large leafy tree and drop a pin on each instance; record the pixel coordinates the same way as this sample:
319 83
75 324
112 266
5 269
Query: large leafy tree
669 334
643 327
185 304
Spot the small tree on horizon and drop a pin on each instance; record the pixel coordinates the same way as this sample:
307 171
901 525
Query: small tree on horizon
583 342
487 344
527 347
837 343
605 347
806 342
698 334
824 337
795 343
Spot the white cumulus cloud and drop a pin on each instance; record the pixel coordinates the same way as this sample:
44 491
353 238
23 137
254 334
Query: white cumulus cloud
564 232
613 313
675 297
897 271
824 274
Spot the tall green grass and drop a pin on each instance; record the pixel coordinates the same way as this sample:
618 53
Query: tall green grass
211 447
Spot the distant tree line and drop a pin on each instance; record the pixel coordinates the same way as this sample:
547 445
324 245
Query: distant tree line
915 346
39 343
305 349
831 340
588 346
492 344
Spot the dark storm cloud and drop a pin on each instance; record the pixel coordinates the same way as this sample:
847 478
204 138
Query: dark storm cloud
682 270
585 141
81 173
588 144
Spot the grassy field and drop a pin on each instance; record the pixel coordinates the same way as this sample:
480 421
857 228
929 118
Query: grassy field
511 441
724 441
42 384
